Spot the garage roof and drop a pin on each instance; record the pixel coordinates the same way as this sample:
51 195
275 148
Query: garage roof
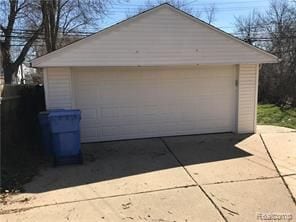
163 35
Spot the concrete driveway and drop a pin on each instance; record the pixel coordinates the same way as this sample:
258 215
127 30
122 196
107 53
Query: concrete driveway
218 177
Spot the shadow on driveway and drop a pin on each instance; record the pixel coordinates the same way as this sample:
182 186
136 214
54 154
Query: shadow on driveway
118 159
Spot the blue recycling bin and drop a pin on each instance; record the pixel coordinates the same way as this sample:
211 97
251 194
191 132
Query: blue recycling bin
45 131
64 127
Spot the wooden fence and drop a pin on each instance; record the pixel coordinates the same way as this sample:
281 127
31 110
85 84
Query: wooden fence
20 133
20 106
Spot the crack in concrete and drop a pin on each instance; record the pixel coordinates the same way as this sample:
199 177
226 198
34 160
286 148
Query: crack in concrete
245 180
15 210
259 164
230 211
253 179
289 175
277 169
293 131
200 187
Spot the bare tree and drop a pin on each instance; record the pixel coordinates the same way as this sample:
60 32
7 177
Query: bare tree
248 27
210 13
32 22
64 16
15 14
51 13
275 31
180 4
279 23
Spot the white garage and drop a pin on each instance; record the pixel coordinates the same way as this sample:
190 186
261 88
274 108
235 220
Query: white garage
160 73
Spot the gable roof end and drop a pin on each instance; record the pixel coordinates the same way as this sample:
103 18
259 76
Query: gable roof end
97 49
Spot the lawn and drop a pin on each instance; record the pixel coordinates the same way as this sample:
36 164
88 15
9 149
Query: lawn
269 114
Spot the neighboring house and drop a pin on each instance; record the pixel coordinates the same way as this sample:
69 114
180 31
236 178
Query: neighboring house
160 73
25 74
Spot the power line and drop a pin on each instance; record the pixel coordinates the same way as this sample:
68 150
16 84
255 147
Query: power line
228 9
82 34
19 32
195 2
188 3
252 39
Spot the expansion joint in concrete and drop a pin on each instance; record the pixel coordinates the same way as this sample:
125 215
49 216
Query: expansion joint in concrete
200 187
277 169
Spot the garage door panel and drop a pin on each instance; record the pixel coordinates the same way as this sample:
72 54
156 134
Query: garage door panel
148 102
114 121
85 98
128 111
89 114
85 124
111 131
89 133
109 112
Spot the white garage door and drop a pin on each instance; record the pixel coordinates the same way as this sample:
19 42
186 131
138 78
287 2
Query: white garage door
124 103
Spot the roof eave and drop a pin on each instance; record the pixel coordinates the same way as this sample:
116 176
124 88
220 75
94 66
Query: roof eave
268 61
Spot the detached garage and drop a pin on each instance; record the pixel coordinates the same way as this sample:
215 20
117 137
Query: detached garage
160 73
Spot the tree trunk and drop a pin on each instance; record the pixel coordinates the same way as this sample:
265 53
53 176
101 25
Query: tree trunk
9 71
51 14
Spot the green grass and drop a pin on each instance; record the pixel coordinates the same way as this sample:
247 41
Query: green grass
269 114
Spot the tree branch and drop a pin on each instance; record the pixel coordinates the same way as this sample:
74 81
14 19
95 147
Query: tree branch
27 46
11 17
2 28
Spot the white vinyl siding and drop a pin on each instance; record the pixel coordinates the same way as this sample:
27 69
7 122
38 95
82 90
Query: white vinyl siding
163 36
106 94
58 88
125 103
247 98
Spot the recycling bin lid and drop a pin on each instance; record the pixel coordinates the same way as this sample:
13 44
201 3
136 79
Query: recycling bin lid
65 112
